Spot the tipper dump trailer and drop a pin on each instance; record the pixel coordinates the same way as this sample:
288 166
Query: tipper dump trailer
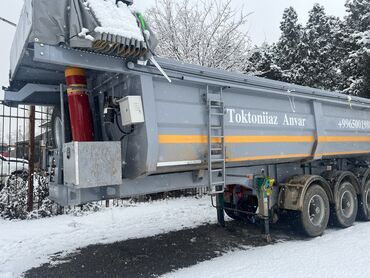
128 123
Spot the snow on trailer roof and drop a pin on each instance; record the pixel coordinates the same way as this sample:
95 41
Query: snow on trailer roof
97 25
115 19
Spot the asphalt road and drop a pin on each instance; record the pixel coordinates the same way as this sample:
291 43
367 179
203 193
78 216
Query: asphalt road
154 256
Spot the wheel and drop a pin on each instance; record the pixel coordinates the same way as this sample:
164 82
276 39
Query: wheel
346 206
232 214
364 209
240 200
315 212
57 128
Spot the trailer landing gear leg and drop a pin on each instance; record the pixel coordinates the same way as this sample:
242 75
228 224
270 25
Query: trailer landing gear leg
220 209
267 230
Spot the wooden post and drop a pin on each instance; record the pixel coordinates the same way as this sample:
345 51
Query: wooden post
31 158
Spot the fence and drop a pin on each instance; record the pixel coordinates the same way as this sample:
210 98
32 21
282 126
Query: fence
25 138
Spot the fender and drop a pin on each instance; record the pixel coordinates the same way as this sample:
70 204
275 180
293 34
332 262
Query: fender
362 174
335 178
291 195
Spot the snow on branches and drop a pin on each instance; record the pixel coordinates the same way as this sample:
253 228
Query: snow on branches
327 53
208 33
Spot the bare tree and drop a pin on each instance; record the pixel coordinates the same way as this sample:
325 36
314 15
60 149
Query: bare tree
209 33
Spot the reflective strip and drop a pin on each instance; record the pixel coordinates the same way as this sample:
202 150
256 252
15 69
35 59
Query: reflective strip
344 139
203 139
178 163
182 139
269 139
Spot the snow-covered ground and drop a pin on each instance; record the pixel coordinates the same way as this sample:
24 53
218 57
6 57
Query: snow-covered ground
27 244
338 253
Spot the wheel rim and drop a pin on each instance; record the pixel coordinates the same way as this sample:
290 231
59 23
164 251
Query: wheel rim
316 210
58 132
347 204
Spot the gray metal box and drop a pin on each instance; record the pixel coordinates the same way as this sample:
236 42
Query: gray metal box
131 110
92 164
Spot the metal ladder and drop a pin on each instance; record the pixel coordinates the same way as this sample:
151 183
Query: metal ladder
216 141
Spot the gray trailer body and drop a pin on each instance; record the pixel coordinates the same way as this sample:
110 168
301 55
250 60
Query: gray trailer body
266 122
277 128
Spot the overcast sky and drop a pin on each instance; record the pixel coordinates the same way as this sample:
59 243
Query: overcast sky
263 22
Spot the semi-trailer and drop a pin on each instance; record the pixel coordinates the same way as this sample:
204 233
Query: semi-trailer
127 123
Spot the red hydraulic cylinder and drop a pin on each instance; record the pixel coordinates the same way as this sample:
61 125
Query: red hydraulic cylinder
79 106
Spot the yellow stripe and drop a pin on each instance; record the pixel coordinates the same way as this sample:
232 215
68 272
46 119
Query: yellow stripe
76 91
344 139
77 86
182 139
203 139
268 139
74 71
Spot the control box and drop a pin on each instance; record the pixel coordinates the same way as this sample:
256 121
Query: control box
132 112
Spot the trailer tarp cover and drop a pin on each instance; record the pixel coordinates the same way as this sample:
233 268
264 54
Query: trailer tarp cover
74 23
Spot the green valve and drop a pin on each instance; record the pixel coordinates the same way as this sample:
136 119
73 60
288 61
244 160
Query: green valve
142 21
264 185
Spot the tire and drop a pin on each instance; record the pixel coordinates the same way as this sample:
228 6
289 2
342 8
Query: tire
241 205
56 122
315 212
364 209
346 205
232 214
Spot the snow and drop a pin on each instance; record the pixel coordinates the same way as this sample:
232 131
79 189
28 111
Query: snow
27 244
30 243
84 34
338 253
116 20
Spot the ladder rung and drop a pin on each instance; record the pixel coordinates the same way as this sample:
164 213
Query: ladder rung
216 127
218 183
216 146
216 149
217 170
217 114
217 160
217 136
218 154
